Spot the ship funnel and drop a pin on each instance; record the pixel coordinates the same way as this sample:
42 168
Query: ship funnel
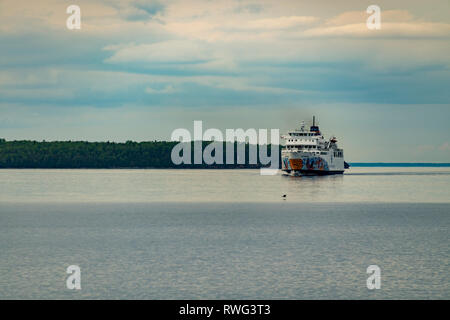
315 128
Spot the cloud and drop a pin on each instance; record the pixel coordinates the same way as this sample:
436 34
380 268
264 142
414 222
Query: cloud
280 22
393 30
141 10
151 7
356 17
394 24
249 8
171 51
33 94
222 50
165 90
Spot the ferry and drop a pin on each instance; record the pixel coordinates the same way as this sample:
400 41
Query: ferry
307 152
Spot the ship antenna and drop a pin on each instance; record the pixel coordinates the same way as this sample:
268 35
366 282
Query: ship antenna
314 121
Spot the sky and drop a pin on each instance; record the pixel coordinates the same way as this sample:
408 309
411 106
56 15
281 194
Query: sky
137 70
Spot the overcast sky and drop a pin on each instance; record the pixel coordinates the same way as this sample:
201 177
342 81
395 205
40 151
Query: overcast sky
137 70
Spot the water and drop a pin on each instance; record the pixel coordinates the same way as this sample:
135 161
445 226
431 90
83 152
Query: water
357 185
224 234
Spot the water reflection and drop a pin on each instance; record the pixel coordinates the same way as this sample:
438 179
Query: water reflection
356 185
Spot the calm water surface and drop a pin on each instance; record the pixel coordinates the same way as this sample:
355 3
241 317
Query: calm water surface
430 185
188 234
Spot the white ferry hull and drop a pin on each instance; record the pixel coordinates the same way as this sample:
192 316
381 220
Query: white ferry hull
304 163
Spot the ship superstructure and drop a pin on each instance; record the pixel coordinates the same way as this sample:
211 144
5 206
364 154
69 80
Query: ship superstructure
307 152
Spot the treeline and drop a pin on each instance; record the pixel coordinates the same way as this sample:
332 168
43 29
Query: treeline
81 154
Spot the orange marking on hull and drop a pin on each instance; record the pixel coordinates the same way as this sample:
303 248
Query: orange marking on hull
296 164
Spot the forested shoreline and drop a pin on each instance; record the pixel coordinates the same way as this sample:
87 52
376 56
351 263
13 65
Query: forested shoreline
96 155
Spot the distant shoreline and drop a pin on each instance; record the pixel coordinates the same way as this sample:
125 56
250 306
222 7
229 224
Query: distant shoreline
355 165
25 154
398 164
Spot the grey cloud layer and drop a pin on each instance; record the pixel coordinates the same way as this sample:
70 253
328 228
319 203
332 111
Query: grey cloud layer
213 55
